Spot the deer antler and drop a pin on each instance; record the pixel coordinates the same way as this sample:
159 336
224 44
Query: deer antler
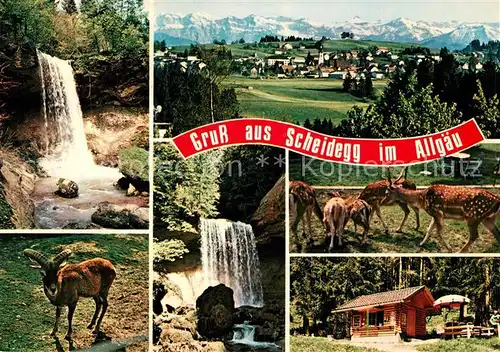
401 174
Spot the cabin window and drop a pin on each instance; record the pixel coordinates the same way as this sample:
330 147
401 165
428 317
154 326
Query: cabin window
403 320
357 321
376 319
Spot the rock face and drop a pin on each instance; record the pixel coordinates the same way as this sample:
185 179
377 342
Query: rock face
214 309
117 217
268 221
66 188
17 180
110 130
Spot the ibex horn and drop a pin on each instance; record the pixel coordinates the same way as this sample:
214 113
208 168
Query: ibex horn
38 257
61 257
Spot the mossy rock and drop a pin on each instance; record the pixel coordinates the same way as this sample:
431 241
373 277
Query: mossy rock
5 213
134 162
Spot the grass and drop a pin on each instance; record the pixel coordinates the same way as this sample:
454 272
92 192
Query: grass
296 99
323 173
455 233
321 344
266 49
462 345
27 322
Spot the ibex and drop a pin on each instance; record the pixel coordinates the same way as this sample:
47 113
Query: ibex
335 217
360 212
375 194
65 284
441 202
303 202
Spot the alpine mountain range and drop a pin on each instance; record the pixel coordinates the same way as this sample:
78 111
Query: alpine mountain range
201 28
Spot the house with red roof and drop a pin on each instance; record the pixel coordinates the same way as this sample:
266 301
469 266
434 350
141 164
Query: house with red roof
389 314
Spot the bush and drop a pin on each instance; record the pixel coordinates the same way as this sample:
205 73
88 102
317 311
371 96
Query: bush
134 162
167 251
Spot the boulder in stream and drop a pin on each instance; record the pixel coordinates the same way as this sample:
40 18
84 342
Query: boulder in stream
66 188
116 217
214 309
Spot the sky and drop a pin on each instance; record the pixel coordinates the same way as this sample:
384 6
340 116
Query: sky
326 12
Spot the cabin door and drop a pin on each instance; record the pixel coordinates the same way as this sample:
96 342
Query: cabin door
411 322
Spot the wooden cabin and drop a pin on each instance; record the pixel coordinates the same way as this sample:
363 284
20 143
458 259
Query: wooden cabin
389 314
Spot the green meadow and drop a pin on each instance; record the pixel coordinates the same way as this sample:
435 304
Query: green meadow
296 99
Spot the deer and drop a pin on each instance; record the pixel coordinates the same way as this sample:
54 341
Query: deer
335 217
360 212
375 194
64 284
303 203
473 205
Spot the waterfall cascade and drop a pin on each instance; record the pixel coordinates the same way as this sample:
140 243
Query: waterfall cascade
245 334
66 151
229 256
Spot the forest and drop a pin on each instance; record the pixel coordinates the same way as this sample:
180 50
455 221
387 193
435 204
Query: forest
319 285
424 98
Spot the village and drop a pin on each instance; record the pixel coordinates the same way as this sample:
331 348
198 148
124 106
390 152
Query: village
315 60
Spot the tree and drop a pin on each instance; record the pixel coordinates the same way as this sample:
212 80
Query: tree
69 7
185 189
487 112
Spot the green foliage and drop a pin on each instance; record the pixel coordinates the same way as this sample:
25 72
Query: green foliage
488 112
191 98
404 110
119 27
245 182
28 22
185 189
134 162
167 251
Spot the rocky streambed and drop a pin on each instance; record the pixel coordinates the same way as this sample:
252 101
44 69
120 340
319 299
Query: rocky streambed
214 324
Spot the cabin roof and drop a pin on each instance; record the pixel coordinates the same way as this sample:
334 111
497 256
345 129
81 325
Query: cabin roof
382 298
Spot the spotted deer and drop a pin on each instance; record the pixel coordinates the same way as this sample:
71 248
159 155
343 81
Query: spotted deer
303 203
360 212
473 205
335 217
375 194
65 284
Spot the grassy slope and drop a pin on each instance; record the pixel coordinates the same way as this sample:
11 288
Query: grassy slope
347 175
455 233
296 99
321 344
244 50
463 345
26 325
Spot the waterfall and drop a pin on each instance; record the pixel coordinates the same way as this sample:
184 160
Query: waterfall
66 151
229 256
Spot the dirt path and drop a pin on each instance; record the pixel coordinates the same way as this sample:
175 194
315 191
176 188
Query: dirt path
334 105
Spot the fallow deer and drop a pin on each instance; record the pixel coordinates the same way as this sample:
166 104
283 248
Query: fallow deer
65 284
360 212
375 194
335 217
441 202
303 202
